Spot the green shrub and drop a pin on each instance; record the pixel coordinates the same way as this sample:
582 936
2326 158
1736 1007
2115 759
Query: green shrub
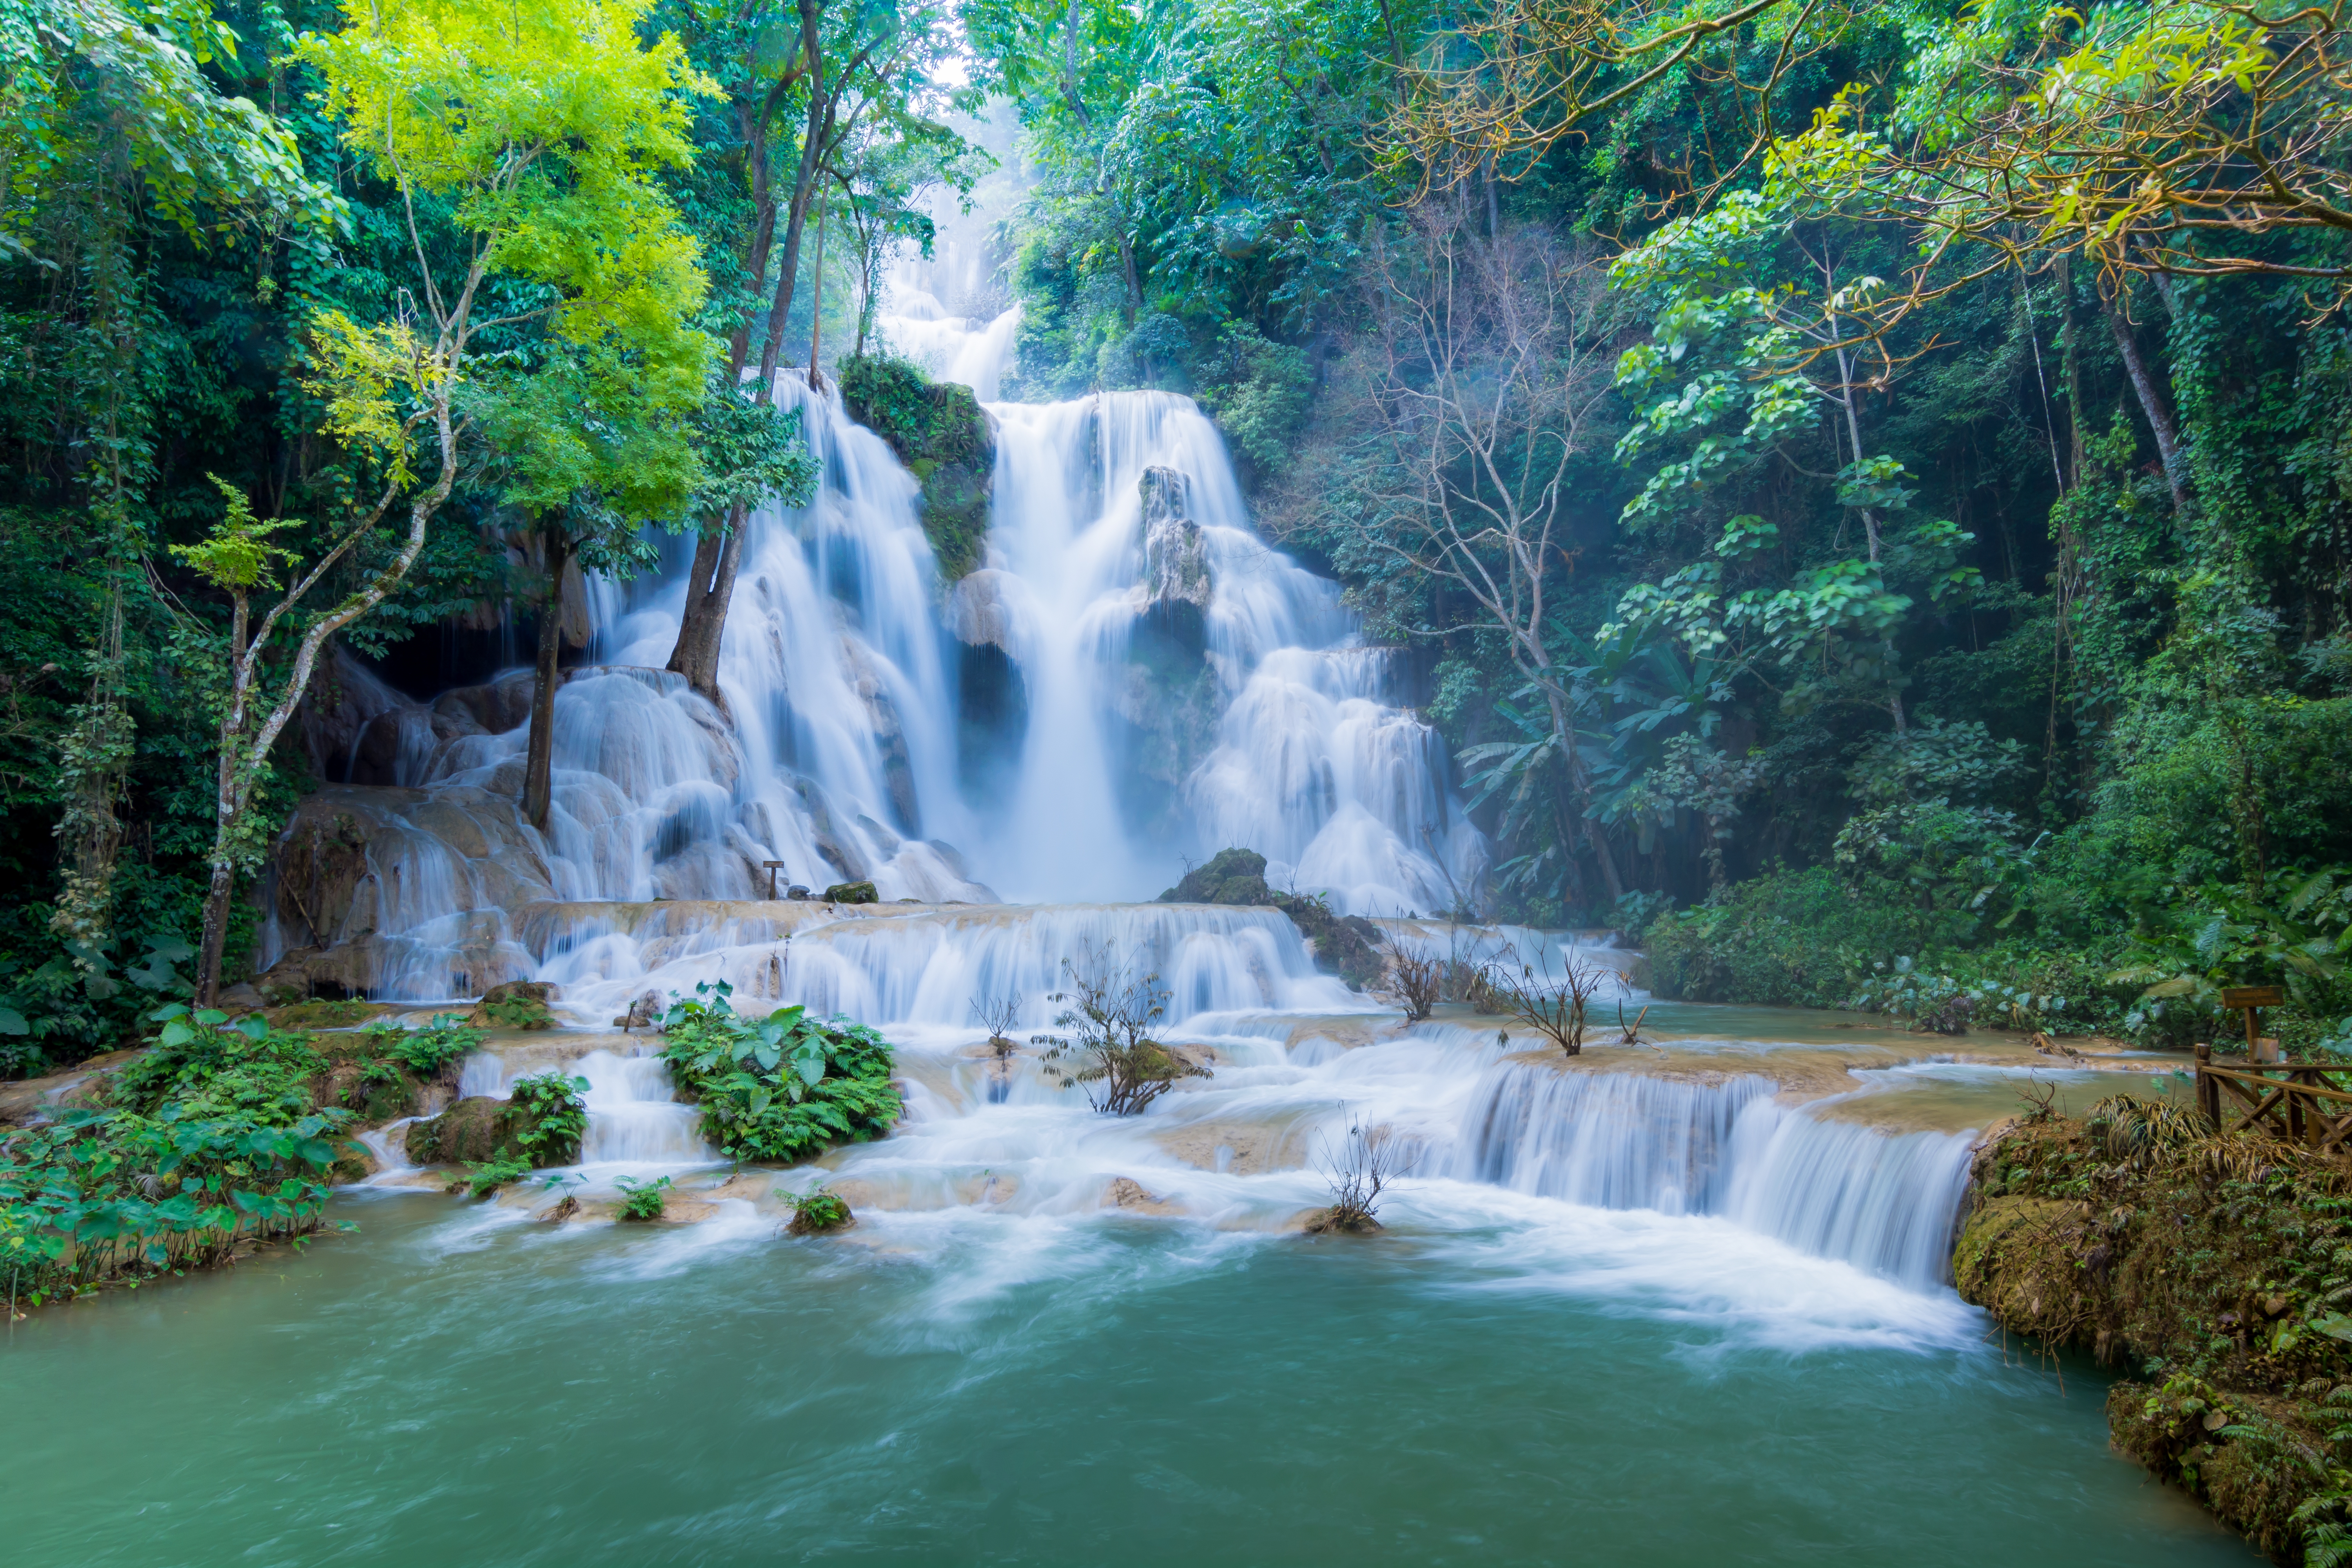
485 1177
821 1210
781 1088
643 1200
546 1116
426 1052
203 1065
211 1141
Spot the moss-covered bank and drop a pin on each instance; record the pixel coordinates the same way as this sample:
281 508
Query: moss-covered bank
2216 1273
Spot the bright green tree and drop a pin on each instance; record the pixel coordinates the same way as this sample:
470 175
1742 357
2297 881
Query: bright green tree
543 132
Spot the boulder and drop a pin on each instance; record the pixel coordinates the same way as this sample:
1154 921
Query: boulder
852 893
1230 877
980 611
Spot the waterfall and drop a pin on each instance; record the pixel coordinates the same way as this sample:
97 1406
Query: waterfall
1184 689
635 1118
1727 1147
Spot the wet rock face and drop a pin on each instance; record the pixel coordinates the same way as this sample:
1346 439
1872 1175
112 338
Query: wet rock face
1346 945
1176 555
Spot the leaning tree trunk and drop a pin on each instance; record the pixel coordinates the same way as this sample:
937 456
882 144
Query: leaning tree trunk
539 768
709 591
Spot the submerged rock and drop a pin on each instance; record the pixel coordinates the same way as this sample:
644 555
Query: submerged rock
1127 1192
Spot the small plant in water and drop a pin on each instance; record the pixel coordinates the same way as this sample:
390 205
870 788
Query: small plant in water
1420 984
551 1115
643 1200
1109 1050
998 1015
1359 1171
816 1211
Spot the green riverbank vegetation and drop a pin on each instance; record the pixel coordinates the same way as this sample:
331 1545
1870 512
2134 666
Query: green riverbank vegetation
222 1137
2215 1273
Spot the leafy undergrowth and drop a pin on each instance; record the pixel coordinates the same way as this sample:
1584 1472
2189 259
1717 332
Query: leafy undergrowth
2217 1272
780 1088
222 1136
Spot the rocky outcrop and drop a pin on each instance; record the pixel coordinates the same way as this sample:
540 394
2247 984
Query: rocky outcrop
357 862
1175 552
980 613
475 1131
1346 945
943 435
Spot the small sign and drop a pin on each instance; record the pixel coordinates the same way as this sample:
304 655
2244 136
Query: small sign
2237 997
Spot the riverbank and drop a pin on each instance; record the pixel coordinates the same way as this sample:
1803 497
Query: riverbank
2214 1273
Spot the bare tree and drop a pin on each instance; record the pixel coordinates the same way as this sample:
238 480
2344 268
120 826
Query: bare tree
1552 1003
1490 378
1359 1171
1420 983
997 1014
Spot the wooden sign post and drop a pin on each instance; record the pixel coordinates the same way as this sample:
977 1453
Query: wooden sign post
772 867
2251 1000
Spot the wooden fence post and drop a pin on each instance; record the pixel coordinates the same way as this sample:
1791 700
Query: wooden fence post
2208 1092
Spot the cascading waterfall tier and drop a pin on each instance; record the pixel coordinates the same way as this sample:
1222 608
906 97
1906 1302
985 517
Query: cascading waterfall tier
1726 1147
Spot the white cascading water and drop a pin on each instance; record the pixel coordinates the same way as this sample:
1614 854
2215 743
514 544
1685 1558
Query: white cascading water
1727 1147
836 753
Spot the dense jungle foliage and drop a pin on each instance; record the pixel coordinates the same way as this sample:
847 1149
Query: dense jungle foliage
222 1137
1866 487
1869 485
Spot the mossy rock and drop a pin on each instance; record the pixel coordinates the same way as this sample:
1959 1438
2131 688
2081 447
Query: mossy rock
820 1214
852 893
2243 1455
476 1130
1330 1222
1230 877
341 1015
1345 945
516 1005
352 1163
942 434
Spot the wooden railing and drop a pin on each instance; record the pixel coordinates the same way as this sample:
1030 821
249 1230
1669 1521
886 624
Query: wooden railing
2293 1101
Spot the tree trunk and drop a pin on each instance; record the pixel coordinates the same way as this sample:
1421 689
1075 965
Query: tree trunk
702 625
216 937
2151 404
816 298
539 768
